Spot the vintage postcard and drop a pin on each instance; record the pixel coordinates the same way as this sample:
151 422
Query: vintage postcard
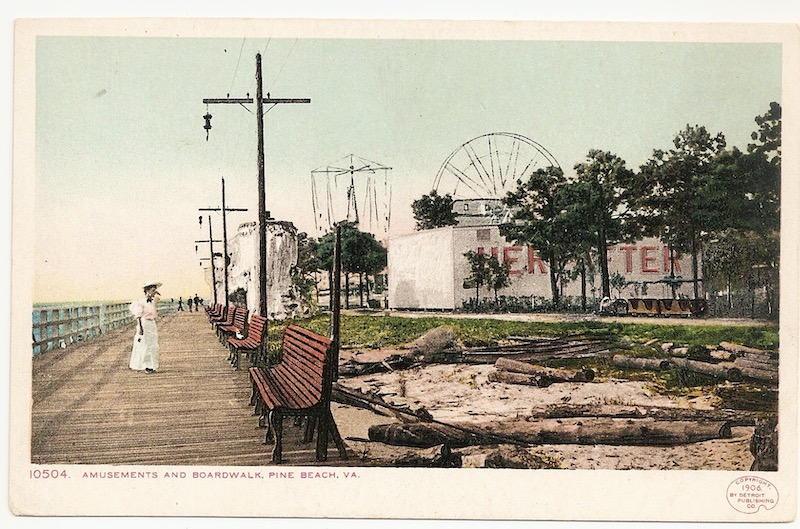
462 270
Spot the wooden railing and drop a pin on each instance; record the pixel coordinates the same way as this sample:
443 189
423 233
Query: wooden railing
59 326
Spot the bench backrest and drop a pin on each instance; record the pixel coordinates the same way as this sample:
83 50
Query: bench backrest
256 328
240 317
229 313
306 354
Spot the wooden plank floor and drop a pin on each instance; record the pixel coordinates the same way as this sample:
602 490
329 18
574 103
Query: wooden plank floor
90 408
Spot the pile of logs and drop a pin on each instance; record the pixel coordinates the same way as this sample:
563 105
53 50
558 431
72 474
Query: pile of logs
730 362
541 348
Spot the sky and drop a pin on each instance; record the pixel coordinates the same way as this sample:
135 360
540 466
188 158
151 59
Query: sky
122 163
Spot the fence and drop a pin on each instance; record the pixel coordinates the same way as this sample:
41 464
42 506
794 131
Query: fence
59 326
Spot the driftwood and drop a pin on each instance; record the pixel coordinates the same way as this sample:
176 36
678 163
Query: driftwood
763 375
583 431
736 348
721 354
586 345
724 370
662 413
490 356
355 367
561 375
440 456
656 364
755 364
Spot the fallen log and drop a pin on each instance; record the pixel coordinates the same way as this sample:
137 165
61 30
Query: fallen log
566 375
538 380
762 375
656 364
771 358
492 355
746 361
721 354
436 457
661 413
724 370
582 431
342 396
736 348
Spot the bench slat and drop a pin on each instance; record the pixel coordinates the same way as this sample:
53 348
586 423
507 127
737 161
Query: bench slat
297 395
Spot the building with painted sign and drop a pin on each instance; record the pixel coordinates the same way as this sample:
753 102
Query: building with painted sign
427 269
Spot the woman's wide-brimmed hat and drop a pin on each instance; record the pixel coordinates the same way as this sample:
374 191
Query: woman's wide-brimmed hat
153 284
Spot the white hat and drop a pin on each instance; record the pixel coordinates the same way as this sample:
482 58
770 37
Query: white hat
153 284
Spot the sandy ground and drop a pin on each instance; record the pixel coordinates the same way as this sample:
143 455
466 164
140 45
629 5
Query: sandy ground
461 393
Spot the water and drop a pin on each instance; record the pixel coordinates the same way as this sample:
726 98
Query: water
59 325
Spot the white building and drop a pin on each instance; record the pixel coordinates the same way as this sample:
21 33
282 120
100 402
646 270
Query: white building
427 269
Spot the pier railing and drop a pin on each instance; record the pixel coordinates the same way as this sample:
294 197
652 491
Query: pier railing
61 325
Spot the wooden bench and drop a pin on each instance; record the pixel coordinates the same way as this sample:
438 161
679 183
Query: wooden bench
218 316
238 325
252 344
230 310
300 386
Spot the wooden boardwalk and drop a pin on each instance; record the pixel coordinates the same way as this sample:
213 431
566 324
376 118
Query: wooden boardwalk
90 408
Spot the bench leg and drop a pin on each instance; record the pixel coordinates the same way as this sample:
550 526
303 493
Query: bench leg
322 437
311 421
276 418
337 437
265 421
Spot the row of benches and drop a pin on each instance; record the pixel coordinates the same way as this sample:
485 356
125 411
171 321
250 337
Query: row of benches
240 334
299 385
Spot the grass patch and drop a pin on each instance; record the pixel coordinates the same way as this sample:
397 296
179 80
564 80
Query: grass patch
366 331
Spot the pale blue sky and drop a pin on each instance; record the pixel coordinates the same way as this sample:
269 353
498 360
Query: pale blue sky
122 162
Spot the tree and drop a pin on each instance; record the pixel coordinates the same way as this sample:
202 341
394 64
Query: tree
434 211
479 273
673 189
537 220
768 135
604 182
305 271
499 275
361 254
744 199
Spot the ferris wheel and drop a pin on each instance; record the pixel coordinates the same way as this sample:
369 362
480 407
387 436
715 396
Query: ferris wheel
488 166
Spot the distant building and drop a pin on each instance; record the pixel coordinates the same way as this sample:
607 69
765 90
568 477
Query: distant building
480 211
427 269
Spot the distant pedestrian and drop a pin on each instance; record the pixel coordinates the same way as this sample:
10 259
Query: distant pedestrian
144 355
196 303
189 302
180 303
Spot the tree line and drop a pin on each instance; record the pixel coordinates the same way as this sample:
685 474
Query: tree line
699 197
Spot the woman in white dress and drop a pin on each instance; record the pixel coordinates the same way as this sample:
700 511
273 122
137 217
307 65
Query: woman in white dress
144 355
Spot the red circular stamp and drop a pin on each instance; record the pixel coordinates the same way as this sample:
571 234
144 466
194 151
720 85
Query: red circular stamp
749 494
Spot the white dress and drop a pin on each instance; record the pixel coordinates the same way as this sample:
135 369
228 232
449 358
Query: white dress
144 353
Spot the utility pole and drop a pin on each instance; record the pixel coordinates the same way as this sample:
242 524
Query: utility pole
211 242
224 210
259 101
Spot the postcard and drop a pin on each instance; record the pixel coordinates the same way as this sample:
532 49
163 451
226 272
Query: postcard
460 270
